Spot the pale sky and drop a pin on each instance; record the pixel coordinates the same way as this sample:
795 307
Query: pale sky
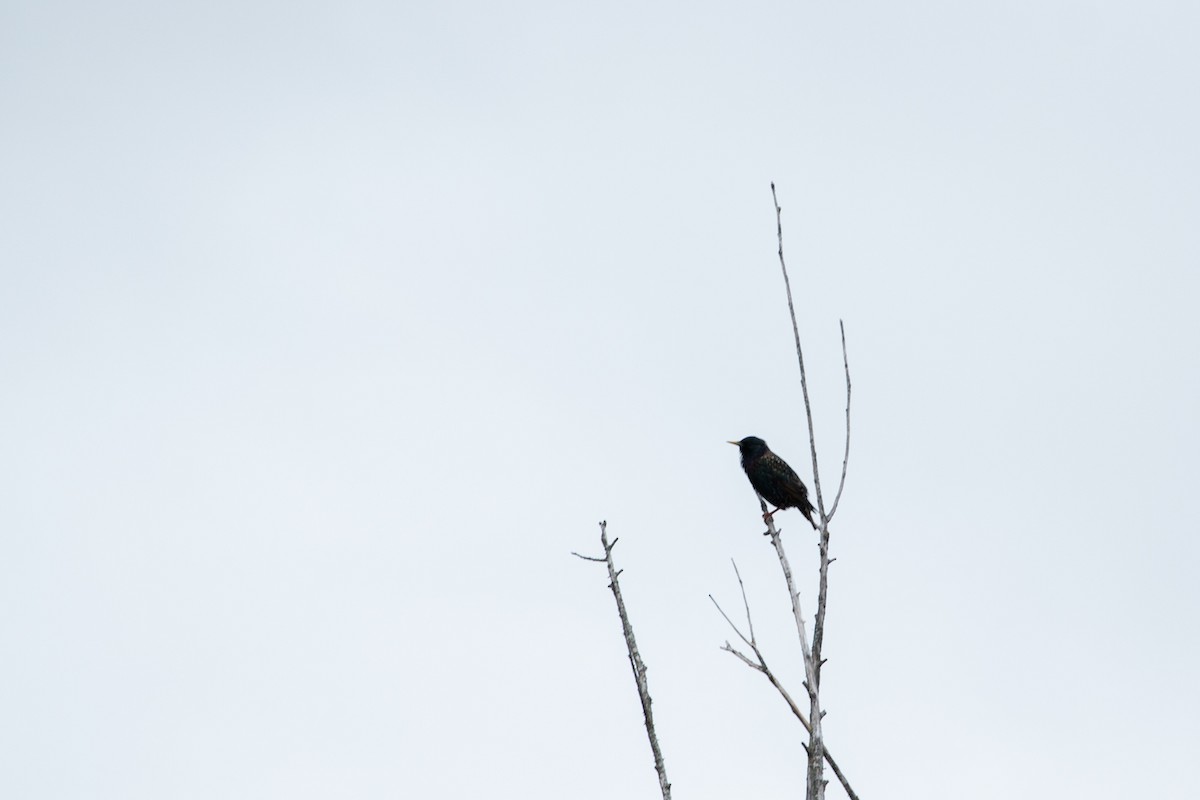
329 330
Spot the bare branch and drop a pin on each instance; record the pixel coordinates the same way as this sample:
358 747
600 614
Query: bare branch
745 602
846 457
749 642
816 781
729 649
635 658
793 593
761 666
816 746
787 283
822 592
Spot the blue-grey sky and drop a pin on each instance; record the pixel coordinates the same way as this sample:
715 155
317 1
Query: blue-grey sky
328 330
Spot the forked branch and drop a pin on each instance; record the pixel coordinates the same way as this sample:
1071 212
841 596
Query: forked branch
759 664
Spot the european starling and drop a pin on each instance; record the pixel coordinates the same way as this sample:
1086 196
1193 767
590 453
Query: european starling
772 478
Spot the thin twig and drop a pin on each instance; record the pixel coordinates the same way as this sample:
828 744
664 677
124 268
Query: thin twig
823 546
787 284
635 658
745 602
749 642
846 457
728 648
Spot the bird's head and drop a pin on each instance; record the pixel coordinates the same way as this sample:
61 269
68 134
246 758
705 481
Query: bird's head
751 447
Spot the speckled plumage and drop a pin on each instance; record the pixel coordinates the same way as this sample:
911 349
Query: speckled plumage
773 478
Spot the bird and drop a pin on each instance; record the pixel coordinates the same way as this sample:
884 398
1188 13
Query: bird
772 478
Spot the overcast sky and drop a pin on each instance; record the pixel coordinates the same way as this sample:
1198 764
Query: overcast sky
329 330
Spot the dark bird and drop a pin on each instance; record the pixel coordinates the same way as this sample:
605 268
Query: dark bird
772 478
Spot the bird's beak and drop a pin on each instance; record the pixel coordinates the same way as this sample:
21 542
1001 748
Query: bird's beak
735 444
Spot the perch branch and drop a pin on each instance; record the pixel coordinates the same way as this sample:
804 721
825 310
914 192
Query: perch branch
816 747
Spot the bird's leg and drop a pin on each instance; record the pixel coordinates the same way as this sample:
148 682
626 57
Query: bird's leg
768 518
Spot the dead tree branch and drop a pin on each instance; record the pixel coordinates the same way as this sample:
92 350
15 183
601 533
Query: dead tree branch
816 781
635 658
760 665
816 743
787 284
814 659
846 456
